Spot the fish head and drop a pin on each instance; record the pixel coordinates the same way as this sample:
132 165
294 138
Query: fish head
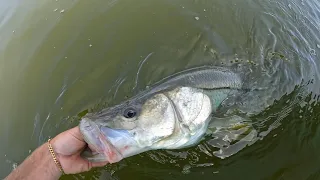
171 119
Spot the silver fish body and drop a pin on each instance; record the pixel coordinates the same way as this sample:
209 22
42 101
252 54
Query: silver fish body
173 114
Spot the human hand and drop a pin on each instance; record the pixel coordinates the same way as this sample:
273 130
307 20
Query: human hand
68 146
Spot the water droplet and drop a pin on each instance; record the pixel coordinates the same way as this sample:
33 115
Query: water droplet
318 46
62 11
182 7
204 10
90 45
186 169
312 52
66 57
55 10
196 18
13 31
14 165
29 151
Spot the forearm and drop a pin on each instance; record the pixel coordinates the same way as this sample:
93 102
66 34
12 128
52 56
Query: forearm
39 165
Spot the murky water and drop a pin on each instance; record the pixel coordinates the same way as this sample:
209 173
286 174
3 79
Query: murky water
62 58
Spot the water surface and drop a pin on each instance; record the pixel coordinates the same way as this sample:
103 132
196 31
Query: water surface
60 59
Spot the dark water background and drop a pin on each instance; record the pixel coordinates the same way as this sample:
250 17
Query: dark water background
60 58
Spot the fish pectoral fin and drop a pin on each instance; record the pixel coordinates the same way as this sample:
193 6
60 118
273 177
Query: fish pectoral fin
230 135
91 156
234 124
230 130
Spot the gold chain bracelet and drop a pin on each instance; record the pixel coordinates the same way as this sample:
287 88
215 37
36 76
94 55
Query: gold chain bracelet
54 157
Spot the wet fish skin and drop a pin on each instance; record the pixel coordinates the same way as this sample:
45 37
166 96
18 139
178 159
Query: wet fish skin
173 114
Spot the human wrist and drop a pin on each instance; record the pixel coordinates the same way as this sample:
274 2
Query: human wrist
54 170
38 164
55 156
42 159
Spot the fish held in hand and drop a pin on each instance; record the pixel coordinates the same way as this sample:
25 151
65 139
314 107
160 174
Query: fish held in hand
173 114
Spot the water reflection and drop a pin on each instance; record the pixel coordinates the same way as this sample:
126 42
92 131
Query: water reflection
60 58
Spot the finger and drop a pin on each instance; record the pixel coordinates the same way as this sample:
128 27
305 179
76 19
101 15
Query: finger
75 132
76 165
99 164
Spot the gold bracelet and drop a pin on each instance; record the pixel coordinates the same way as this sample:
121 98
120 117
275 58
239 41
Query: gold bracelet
54 157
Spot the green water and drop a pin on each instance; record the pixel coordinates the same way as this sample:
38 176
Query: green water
60 58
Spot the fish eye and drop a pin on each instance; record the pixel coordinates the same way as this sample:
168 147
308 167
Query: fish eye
129 113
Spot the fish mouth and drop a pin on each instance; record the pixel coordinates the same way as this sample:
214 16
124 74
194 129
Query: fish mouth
98 143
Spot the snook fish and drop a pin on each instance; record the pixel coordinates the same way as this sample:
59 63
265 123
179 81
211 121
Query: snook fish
172 114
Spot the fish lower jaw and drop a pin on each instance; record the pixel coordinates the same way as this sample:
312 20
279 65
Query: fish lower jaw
98 143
